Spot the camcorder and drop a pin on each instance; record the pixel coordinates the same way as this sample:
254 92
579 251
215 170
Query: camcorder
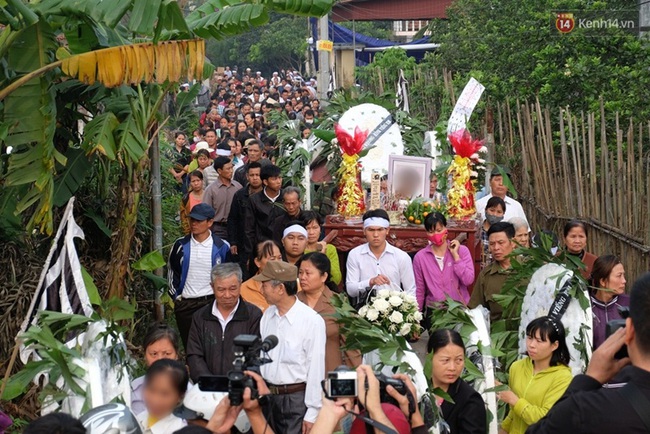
616 324
247 350
343 383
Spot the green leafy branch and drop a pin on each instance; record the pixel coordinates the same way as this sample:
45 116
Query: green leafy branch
50 338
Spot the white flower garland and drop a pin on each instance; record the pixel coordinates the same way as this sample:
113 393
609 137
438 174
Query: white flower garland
540 294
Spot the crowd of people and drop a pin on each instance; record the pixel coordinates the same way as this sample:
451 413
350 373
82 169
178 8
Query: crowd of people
253 262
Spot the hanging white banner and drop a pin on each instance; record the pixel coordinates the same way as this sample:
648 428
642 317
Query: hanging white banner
465 105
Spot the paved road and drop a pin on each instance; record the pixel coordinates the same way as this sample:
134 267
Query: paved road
420 347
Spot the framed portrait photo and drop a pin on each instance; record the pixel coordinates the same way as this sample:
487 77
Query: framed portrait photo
408 177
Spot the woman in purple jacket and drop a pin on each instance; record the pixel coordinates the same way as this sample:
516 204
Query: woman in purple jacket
443 268
607 295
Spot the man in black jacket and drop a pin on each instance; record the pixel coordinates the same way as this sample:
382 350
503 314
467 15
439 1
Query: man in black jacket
587 407
215 326
236 218
260 212
286 213
254 152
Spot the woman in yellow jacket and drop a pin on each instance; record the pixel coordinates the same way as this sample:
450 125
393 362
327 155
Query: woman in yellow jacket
539 380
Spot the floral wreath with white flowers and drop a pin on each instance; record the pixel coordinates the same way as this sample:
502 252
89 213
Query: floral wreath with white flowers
394 311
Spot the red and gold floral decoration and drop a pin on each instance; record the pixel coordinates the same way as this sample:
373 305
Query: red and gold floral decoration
351 200
461 193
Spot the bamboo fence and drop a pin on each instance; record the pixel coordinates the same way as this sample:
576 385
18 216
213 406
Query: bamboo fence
430 89
576 166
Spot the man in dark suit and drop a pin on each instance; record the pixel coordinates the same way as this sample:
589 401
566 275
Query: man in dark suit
260 211
237 216
289 211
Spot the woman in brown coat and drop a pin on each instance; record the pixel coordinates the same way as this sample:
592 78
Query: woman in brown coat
316 293
575 240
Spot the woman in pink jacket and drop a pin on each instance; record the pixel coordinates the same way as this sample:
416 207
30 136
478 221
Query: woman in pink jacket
443 268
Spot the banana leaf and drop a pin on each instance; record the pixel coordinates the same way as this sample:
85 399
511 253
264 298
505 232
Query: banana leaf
31 112
143 16
70 176
309 8
149 262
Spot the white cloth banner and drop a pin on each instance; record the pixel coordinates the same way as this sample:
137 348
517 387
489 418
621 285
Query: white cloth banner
61 287
465 105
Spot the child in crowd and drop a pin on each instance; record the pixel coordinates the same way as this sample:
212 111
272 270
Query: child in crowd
495 209
160 342
197 136
203 162
191 198
165 384
539 380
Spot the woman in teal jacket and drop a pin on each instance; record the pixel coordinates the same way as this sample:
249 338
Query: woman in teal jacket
539 380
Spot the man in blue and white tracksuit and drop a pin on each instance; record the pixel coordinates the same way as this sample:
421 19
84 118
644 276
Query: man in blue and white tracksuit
189 265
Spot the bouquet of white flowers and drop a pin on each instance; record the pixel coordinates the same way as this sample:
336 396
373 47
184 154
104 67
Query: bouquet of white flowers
394 311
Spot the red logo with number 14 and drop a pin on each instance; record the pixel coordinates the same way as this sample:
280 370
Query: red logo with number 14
564 22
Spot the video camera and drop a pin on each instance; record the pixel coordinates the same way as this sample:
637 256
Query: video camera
616 324
247 350
343 383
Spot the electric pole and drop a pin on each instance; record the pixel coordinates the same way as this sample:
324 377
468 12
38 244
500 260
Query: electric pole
323 58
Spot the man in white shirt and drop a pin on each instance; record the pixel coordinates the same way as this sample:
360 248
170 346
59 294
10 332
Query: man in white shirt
513 208
376 262
294 377
188 268
215 327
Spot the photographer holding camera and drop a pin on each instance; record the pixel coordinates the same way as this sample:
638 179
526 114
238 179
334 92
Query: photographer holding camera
386 407
226 414
587 407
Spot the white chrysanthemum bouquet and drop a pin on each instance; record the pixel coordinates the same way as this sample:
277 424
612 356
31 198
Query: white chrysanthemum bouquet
394 311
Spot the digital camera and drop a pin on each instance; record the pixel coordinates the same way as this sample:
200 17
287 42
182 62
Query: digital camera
616 324
341 383
398 385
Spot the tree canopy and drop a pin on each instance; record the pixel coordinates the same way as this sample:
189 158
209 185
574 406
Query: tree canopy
279 44
513 48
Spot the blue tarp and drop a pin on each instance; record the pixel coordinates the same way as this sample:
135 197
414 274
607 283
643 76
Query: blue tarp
342 35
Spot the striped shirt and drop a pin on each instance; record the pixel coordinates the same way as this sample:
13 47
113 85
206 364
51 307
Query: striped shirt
198 282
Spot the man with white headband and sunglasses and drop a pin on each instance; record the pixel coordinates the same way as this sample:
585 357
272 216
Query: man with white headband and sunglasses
377 263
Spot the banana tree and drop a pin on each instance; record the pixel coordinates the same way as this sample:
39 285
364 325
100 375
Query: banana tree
41 43
125 133
112 43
